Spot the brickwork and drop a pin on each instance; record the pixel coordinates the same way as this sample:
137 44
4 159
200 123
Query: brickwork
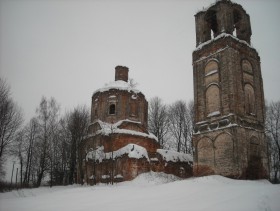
119 117
223 17
128 105
228 98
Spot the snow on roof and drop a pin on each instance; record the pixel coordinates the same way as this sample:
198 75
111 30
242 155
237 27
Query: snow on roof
132 150
222 35
170 155
120 85
107 129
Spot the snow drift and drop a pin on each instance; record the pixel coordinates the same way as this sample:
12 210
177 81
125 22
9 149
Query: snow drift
150 191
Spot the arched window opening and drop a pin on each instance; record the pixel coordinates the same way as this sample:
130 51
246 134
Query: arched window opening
236 22
205 152
246 66
211 68
133 109
254 164
224 154
249 99
213 100
254 147
211 19
112 109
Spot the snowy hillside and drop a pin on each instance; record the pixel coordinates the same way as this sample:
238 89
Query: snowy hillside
150 191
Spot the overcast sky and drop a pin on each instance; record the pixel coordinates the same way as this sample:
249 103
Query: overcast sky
67 49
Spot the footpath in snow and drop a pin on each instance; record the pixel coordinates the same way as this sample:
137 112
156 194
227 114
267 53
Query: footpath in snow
150 191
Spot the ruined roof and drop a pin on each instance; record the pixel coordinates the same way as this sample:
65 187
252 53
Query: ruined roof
119 85
107 129
132 150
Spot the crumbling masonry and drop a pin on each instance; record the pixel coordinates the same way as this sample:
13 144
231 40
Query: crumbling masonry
229 135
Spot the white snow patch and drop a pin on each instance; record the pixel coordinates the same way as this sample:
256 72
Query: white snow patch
105 176
132 150
119 85
154 159
112 96
222 35
118 176
214 113
134 97
107 129
211 72
170 155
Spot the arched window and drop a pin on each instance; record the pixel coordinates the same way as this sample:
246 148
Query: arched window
254 163
246 66
224 154
112 109
211 19
236 22
249 99
133 109
205 155
211 68
213 100
254 147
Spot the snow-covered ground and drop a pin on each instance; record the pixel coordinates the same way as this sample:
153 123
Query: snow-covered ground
150 191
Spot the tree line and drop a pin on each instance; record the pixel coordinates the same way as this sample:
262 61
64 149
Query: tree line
49 146
172 124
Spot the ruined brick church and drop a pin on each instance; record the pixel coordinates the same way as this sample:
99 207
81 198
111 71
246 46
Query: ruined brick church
229 137
118 146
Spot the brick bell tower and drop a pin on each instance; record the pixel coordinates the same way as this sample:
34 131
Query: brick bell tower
229 135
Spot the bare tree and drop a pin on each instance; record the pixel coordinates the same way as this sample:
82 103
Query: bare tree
47 120
273 135
77 121
65 149
177 113
181 125
188 128
10 120
31 133
158 120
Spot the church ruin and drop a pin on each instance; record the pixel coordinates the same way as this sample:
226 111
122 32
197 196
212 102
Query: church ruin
229 137
118 146
229 117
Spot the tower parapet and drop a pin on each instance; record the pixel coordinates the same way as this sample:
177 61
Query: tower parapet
222 17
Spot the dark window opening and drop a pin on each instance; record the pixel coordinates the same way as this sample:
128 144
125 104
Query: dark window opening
112 109
236 22
211 19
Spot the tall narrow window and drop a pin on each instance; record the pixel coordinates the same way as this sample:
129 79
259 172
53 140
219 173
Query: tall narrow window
246 66
213 100
133 109
211 19
211 80
249 99
112 109
236 20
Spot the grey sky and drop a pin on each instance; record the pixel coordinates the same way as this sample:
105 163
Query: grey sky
68 49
